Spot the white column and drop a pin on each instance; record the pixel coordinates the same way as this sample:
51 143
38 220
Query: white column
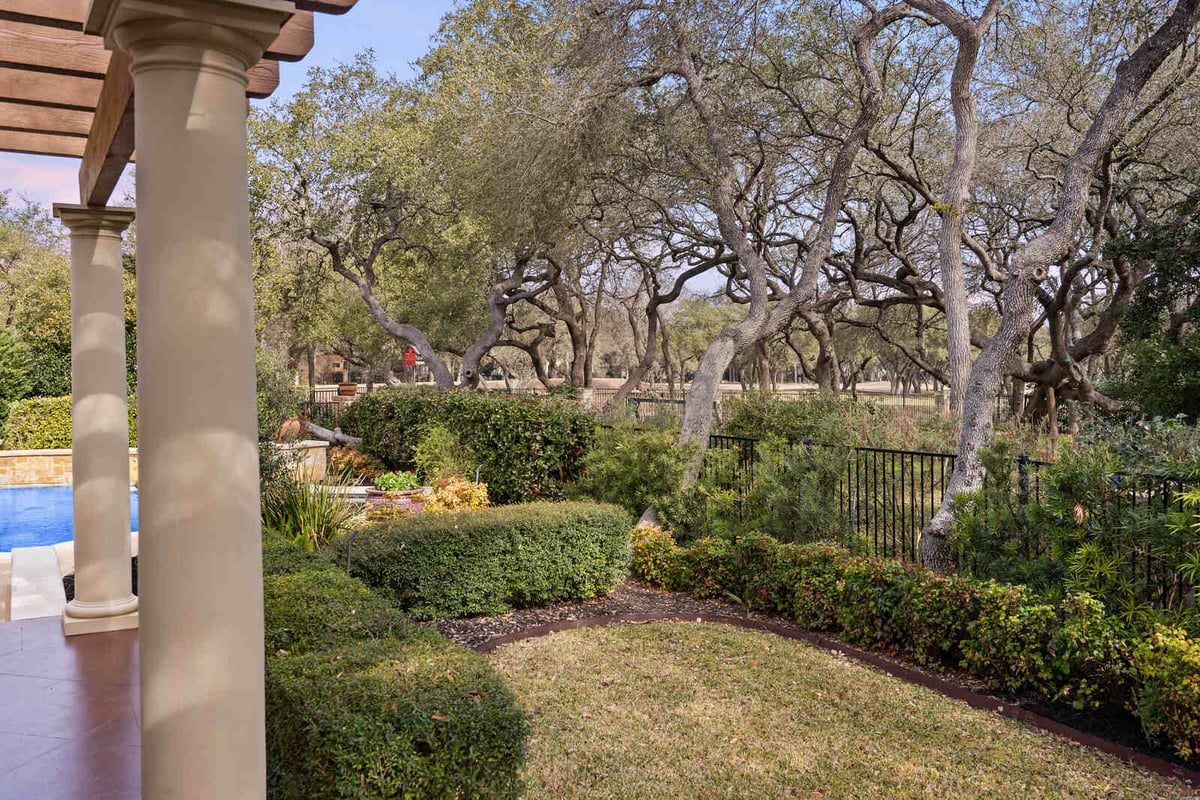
200 570
104 599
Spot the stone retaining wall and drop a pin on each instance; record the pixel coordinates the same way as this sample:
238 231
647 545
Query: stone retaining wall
53 467
44 467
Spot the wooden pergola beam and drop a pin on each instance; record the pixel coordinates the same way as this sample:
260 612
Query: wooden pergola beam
41 144
40 119
110 141
52 91
326 6
293 43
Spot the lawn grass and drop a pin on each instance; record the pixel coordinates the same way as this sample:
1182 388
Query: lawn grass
675 710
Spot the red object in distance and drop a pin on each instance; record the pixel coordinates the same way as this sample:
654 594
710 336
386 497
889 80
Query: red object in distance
410 356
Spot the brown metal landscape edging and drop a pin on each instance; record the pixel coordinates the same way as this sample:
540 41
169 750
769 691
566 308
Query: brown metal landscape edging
940 685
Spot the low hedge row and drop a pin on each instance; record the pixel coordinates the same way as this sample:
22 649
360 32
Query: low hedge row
362 703
44 423
526 448
1009 637
492 560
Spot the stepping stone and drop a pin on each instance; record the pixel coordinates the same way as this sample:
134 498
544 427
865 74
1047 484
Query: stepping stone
37 588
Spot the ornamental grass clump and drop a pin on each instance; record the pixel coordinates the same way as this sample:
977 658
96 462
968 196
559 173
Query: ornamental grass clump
309 514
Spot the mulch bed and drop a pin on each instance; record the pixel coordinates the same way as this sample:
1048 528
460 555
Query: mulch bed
630 597
69 581
634 599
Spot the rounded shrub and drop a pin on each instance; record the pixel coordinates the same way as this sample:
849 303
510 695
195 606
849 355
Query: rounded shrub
44 423
525 448
363 703
492 560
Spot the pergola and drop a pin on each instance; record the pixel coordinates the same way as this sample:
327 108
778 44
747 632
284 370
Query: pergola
165 81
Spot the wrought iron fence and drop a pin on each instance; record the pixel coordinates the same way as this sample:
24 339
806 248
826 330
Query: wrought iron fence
885 497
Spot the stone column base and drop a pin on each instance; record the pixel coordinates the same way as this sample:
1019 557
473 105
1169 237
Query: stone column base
75 626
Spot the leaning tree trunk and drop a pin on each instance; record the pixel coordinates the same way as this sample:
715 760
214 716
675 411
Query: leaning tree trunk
969 34
1030 267
761 322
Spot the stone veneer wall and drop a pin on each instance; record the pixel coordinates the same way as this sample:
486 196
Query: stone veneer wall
44 467
53 467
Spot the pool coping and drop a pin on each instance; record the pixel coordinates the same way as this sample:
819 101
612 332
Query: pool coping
893 669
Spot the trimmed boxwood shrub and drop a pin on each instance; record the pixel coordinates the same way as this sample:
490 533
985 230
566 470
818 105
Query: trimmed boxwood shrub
493 560
526 448
1066 649
363 703
44 423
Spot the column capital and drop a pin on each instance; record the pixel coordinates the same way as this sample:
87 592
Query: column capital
93 218
241 28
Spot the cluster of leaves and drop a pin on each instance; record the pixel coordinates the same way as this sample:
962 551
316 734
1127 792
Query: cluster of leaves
277 394
1158 361
1067 649
524 448
788 491
15 382
397 481
457 494
440 454
492 560
362 703
838 419
44 423
1081 525
308 514
364 467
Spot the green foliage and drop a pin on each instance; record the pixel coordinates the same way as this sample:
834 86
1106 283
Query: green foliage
820 416
1167 693
277 394
44 423
397 482
362 703
794 496
655 556
493 560
1067 650
49 367
836 419
15 382
634 469
306 513
1082 534
1158 357
525 448
351 461
440 454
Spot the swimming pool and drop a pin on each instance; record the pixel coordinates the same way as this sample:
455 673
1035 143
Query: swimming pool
35 516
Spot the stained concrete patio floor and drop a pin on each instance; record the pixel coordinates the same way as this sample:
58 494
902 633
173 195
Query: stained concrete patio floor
70 721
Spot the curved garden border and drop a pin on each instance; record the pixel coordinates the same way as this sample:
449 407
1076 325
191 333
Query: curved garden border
907 674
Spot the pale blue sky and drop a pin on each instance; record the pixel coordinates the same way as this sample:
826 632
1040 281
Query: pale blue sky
398 31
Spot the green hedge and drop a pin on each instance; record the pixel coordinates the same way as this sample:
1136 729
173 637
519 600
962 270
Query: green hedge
1014 640
44 423
526 448
493 560
362 703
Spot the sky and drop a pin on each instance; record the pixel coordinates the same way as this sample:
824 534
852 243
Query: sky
398 31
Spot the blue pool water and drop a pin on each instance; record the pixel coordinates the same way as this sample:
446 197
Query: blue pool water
31 517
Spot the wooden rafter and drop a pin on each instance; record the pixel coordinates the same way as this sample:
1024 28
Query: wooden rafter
293 43
63 94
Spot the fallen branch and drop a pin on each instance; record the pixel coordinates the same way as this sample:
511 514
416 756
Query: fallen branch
334 436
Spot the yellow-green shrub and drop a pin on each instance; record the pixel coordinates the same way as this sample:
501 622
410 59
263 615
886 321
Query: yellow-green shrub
44 423
1167 689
